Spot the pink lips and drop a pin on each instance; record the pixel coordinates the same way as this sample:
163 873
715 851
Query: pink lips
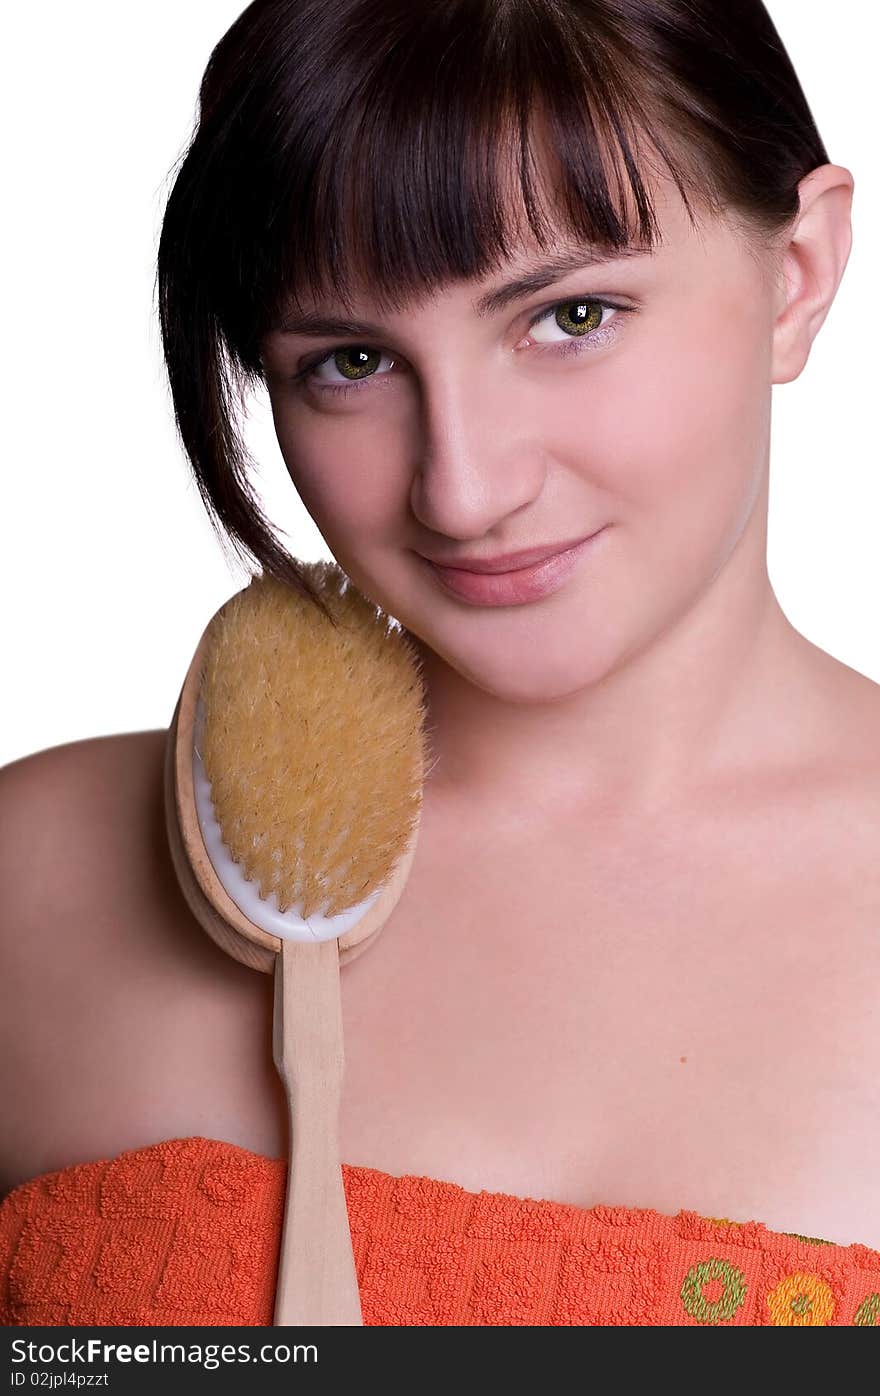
506 562
517 586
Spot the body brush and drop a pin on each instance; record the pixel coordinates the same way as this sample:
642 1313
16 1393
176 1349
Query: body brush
294 770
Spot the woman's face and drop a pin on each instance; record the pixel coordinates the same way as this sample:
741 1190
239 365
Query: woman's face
475 434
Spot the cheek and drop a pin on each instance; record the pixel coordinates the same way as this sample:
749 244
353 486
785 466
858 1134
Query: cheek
343 470
690 425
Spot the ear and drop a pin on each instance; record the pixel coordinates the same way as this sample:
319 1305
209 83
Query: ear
812 260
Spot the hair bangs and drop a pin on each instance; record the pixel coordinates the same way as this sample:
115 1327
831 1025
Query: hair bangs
459 140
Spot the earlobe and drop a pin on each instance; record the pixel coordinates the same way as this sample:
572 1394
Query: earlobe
812 264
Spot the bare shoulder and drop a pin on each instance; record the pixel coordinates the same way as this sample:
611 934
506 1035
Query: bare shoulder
83 859
95 938
837 789
851 762
57 807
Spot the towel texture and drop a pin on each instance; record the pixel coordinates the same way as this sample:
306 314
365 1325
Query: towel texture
187 1231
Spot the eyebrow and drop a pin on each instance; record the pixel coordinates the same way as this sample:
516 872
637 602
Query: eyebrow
485 305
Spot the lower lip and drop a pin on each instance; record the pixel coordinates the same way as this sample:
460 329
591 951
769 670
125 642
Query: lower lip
513 588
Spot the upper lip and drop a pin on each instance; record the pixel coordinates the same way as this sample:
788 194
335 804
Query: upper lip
508 562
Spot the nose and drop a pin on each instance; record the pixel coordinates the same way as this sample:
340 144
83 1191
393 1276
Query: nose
479 458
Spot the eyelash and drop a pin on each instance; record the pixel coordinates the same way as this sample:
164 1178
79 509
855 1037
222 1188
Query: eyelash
577 344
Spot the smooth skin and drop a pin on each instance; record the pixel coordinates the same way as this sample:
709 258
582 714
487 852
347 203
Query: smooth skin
636 961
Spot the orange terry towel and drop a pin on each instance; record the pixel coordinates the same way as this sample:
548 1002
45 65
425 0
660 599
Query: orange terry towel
187 1231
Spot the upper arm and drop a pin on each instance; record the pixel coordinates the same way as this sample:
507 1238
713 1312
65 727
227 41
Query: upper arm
43 819
89 908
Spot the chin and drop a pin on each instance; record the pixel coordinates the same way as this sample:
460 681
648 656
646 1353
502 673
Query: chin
520 654
524 673
529 690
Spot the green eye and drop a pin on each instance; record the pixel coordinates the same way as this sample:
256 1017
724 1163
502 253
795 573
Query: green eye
354 363
587 316
580 318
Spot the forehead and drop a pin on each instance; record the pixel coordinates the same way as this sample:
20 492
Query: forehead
526 266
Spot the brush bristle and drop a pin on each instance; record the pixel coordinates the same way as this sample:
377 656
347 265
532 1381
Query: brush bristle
313 741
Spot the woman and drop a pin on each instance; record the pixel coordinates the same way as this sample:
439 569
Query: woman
518 279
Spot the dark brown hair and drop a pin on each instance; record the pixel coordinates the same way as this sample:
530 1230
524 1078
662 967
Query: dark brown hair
343 138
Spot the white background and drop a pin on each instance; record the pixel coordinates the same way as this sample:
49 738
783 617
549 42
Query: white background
110 570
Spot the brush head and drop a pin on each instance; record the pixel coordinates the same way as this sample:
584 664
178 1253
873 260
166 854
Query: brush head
312 740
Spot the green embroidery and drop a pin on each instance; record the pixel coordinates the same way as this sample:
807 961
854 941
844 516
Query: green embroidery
867 1312
802 1304
811 1240
725 1307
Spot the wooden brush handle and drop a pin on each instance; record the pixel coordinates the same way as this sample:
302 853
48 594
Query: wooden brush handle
317 1281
